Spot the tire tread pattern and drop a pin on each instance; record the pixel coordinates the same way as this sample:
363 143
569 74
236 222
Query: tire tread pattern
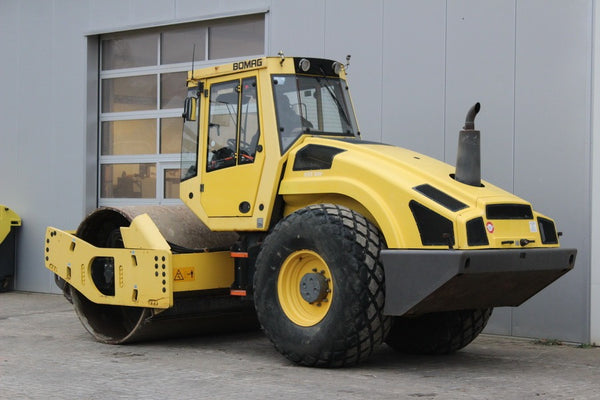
437 333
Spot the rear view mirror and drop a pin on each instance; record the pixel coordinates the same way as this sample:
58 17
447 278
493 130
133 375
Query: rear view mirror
189 108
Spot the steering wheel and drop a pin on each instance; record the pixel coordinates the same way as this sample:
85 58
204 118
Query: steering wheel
232 144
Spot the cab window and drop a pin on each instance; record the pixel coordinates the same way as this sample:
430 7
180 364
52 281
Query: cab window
233 129
317 105
189 139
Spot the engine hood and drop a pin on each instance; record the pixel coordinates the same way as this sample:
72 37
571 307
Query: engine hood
386 183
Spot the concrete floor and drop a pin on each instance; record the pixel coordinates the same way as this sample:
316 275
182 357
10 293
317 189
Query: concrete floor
45 353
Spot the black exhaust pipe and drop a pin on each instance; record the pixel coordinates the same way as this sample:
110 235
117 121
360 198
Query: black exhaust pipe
468 156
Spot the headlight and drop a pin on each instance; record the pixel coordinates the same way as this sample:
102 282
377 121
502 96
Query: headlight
304 65
337 67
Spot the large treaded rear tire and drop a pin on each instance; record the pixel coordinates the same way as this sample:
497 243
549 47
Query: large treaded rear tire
347 245
437 333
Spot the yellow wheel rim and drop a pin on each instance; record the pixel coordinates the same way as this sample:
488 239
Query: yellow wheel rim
305 306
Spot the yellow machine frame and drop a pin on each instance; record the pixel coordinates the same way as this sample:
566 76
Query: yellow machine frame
147 273
8 219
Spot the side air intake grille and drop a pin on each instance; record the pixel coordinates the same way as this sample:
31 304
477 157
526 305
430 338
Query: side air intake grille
547 231
509 211
315 156
434 229
441 198
476 235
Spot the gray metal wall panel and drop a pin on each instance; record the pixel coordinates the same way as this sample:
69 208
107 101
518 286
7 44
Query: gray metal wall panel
297 28
186 8
9 103
36 141
69 110
114 15
480 67
144 11
413 75
358 31
595 184
106 14
48 121
552 165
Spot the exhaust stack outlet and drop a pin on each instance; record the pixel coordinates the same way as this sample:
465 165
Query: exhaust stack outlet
468 156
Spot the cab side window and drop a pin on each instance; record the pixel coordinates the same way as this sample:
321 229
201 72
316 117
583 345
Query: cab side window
222 125
249 123
233 129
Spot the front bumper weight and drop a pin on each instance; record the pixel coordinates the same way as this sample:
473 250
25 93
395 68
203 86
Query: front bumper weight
424 281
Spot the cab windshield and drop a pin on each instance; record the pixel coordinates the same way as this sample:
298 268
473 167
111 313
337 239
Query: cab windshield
312 104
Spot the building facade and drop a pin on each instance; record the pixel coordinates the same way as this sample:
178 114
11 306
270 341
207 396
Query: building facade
91 94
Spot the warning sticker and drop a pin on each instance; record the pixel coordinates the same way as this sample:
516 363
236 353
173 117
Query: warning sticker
184 274
532 227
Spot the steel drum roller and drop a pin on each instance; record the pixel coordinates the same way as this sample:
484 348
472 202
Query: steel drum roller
190 315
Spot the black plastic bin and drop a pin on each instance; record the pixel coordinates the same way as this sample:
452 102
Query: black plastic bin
9 223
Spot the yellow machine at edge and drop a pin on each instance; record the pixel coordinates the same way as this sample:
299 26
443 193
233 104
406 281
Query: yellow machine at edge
332 244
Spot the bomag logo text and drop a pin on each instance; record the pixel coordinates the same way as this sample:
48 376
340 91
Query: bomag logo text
247 64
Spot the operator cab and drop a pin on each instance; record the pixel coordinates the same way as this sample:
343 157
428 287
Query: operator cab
240 122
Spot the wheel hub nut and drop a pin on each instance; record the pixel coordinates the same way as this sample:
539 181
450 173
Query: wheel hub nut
314 287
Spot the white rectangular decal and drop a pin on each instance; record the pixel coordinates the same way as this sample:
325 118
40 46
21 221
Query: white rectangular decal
533 226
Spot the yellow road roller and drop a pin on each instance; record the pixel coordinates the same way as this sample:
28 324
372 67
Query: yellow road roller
332 244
